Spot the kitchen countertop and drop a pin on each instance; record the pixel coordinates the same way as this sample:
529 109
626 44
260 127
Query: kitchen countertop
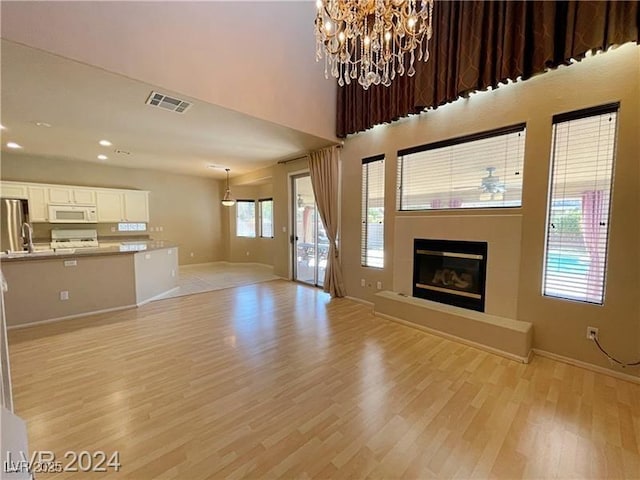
105 248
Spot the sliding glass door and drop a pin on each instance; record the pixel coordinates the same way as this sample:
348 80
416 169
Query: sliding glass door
310 244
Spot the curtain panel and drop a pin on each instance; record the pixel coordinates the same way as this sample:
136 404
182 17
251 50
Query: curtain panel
480 44
324 169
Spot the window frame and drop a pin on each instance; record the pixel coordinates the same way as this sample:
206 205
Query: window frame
260 217
608 108
496 132
364 208
238 202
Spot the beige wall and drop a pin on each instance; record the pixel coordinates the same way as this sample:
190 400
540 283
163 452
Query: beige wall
253 77
188 208
244 249
559 326
35 286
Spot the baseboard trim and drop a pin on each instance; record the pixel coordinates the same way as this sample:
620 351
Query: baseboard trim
454 338
70 317
360 300
157 297
587 366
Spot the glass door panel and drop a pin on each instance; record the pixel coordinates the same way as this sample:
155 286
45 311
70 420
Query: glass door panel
309 237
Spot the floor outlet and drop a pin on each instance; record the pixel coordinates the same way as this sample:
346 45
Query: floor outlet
592 333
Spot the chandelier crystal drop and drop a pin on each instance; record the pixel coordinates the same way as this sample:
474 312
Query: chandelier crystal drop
372 41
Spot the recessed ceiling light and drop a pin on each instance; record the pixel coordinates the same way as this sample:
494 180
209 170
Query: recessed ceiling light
102 157
13 145
105 143
43 124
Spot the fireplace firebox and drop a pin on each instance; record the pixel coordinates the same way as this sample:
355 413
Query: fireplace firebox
450 271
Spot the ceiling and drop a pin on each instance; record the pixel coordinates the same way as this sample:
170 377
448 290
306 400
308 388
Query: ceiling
85 104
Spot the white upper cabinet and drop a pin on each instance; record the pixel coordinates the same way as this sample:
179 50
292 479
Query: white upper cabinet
112 205
84 196
78 196
38 205
109 204
60 195
136 206
13 190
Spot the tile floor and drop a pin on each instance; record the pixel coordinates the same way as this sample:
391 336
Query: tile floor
205 277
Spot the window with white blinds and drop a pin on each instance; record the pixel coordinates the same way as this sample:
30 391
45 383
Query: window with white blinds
372 246
578 208
477 171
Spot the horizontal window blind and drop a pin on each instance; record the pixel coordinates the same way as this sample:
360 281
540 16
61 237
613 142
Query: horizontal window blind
372 236
578 208
245 218
478 171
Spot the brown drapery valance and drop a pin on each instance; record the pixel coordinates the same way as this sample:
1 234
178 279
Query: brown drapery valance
479 44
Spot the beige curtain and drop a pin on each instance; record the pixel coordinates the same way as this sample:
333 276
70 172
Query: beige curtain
325 173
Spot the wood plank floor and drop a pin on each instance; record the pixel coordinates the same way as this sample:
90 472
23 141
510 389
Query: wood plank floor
274 380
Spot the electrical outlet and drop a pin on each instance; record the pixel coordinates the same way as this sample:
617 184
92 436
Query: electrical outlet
191 254
379 285
173 273
64 295
247 253
592 333
363 282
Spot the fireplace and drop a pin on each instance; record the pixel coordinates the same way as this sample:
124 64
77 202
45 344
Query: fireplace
450 271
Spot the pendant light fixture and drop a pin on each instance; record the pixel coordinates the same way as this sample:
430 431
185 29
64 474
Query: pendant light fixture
228 200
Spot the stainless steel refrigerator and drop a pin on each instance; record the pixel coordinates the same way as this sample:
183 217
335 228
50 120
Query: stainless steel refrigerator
13 216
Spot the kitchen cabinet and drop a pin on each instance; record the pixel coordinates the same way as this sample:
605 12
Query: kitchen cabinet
84 196
112 205
122 206
136 206
38 207
60 195
79 196
13 190
109 206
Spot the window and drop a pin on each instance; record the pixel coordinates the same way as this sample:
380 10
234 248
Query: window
245 218
478 171
372 246
266 217
132 227
577 234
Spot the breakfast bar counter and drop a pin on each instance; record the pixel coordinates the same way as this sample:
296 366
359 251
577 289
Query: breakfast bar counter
47 286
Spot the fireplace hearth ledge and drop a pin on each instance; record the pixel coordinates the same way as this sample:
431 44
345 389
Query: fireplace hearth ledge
503 336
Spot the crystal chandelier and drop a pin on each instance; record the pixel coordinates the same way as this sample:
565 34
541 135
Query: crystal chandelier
372 41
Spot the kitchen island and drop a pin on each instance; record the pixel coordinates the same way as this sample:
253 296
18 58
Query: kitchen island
48 286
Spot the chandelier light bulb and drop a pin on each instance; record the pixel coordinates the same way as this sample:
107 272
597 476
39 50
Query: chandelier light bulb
372 41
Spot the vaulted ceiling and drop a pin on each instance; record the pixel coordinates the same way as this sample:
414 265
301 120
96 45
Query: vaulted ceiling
86 68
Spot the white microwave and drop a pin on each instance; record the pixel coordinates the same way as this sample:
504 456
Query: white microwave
72 214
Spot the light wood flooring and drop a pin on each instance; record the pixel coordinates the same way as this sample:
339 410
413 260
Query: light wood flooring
275 380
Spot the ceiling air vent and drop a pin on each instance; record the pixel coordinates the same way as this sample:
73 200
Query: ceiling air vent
168 103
